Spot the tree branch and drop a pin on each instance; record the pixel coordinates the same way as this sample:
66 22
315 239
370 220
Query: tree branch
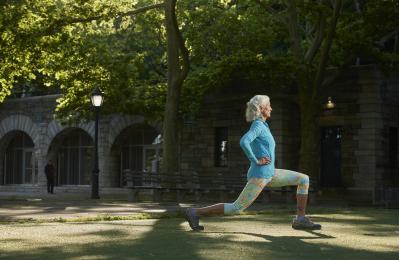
327 46
270 9
316 43
293 27
387 37
62 23
185 64
267 7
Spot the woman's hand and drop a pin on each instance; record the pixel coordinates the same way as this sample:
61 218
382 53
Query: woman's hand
263 161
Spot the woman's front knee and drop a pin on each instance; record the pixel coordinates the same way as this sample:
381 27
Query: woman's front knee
303 185
304 180
232 208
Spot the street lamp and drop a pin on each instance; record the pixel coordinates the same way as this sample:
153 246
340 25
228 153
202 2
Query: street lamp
96 100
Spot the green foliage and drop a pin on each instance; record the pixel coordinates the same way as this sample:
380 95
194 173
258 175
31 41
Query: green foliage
381 23
76 45
362 32
245 67
231 42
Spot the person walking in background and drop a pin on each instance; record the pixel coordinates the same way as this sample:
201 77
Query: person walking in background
50 175
259 146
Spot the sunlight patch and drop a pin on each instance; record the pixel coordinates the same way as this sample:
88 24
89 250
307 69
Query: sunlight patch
341 217
247 238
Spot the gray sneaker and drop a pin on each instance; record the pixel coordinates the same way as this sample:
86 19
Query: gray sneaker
193 219
305 224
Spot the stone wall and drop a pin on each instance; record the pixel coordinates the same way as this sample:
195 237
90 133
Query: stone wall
366 103
31 116
387 170
227 109
35 117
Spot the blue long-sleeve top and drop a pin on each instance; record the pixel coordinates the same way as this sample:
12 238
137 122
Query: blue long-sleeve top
259 142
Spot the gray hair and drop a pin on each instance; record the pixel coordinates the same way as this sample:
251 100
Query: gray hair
253 107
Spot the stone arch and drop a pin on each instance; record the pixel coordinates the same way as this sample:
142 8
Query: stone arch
72 152
121 122
20 123
118 125
22 154
8 127
54 128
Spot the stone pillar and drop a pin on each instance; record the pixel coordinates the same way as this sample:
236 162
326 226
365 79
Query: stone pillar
371 126
107 178
41 161
40 154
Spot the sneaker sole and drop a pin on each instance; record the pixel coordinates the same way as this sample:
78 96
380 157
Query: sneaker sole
194 228
305 228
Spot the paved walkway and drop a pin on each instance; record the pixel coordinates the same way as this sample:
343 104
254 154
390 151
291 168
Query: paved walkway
42 206
15 207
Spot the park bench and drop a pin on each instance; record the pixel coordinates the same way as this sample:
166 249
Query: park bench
182 183
199 186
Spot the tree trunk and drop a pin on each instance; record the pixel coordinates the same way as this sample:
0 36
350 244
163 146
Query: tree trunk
309 162
177 71
309 86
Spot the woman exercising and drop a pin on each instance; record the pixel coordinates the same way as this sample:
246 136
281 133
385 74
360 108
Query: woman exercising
259 146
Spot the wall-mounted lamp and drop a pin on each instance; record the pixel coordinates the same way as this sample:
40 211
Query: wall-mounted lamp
330 104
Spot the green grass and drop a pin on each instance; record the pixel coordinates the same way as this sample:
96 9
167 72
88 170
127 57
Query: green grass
284 209
348 233
102 217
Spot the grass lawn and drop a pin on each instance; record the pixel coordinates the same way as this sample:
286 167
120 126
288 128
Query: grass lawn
357 233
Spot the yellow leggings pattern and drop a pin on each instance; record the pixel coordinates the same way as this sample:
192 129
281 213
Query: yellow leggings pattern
255 186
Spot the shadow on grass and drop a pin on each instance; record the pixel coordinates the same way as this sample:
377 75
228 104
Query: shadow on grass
169 238
166 239
301 247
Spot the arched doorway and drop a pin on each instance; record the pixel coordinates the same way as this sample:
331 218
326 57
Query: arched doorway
73 152
137 148
19 164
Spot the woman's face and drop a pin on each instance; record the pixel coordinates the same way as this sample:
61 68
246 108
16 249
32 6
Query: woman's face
266 110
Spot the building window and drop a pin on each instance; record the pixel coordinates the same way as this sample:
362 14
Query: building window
221 144
393 147
19 160
75 159
138 149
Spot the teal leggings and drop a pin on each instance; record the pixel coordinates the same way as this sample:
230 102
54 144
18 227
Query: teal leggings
255 186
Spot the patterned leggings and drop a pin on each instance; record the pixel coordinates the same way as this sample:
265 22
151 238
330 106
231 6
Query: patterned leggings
255 186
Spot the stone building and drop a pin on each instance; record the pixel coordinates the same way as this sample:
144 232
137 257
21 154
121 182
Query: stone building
359 139
29 137
358 143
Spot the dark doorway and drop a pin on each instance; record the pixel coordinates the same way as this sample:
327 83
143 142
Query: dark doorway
73 152
137 148
19 160
331 156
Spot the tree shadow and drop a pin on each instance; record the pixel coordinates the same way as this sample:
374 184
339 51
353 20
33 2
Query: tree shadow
170 238
26 210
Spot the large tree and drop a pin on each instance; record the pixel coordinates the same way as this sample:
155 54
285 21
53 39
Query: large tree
178 67
288 43
76 45
327 34
310 51
139 57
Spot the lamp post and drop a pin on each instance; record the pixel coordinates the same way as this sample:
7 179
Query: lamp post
96 101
